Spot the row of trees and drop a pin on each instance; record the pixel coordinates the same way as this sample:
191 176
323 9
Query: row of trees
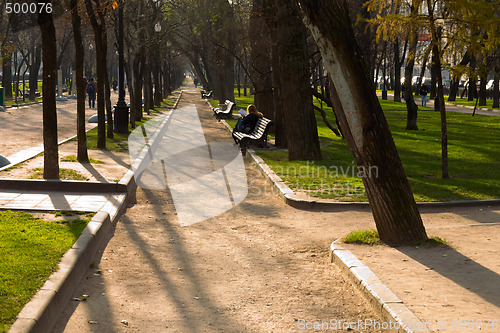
281 46
269 42
80 36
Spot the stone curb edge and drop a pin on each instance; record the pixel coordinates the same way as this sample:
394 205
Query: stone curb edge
392 310
41 313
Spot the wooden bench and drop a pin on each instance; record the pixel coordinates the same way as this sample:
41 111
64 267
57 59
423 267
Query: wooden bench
224 112
257 137
206 94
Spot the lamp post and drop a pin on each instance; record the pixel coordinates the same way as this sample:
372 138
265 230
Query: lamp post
121 108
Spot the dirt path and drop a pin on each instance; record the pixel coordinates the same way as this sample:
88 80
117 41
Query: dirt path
21 128
260 267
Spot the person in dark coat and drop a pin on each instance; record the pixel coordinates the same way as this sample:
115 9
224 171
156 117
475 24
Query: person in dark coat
423 93
91 92
247 123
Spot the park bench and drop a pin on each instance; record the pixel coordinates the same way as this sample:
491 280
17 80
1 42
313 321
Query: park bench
224 110
206 94
257 137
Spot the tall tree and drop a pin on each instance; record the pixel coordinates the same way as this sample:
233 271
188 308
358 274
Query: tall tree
436 62
403 21
82 154
363 123
97 26
295 92
49 56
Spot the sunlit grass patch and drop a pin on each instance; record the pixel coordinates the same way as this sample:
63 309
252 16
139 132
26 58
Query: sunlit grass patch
30 250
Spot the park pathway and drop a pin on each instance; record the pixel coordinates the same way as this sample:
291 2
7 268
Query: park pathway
259 267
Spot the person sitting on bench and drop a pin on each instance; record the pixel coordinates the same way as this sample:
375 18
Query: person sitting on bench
247 123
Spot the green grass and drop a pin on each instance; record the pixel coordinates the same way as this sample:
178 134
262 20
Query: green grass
473 150
73 158
369 237
119 142
64 174
30 250
432 242
20 101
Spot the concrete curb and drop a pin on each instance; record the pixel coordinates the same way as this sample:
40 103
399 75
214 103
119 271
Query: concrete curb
49 185
384 301
41 313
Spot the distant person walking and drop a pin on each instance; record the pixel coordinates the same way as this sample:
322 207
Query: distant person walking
91 92
423 93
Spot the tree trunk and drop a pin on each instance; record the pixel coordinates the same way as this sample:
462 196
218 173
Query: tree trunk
261 61
279 127
436 61
397 73
107 88
363 123
432 88
411 106
296 96
167 89
130 89
34 69
7 74
138 86
49 55
109 109
496 90
157 82
456 79
472 91
101 74
82 154
146 76
482 89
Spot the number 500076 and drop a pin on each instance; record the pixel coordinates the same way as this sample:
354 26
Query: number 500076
28 8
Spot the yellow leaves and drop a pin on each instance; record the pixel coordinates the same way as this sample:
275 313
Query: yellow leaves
115 4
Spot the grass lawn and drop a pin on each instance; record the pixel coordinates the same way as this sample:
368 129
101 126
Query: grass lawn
30 249
473 148
119 142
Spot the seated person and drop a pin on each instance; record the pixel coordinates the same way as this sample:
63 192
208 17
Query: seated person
247 123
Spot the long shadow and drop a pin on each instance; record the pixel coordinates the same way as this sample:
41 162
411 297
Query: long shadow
460 269
179 294
181 256
99 308
115 158
90 168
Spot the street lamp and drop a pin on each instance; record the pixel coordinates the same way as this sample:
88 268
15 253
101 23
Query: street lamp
121 108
